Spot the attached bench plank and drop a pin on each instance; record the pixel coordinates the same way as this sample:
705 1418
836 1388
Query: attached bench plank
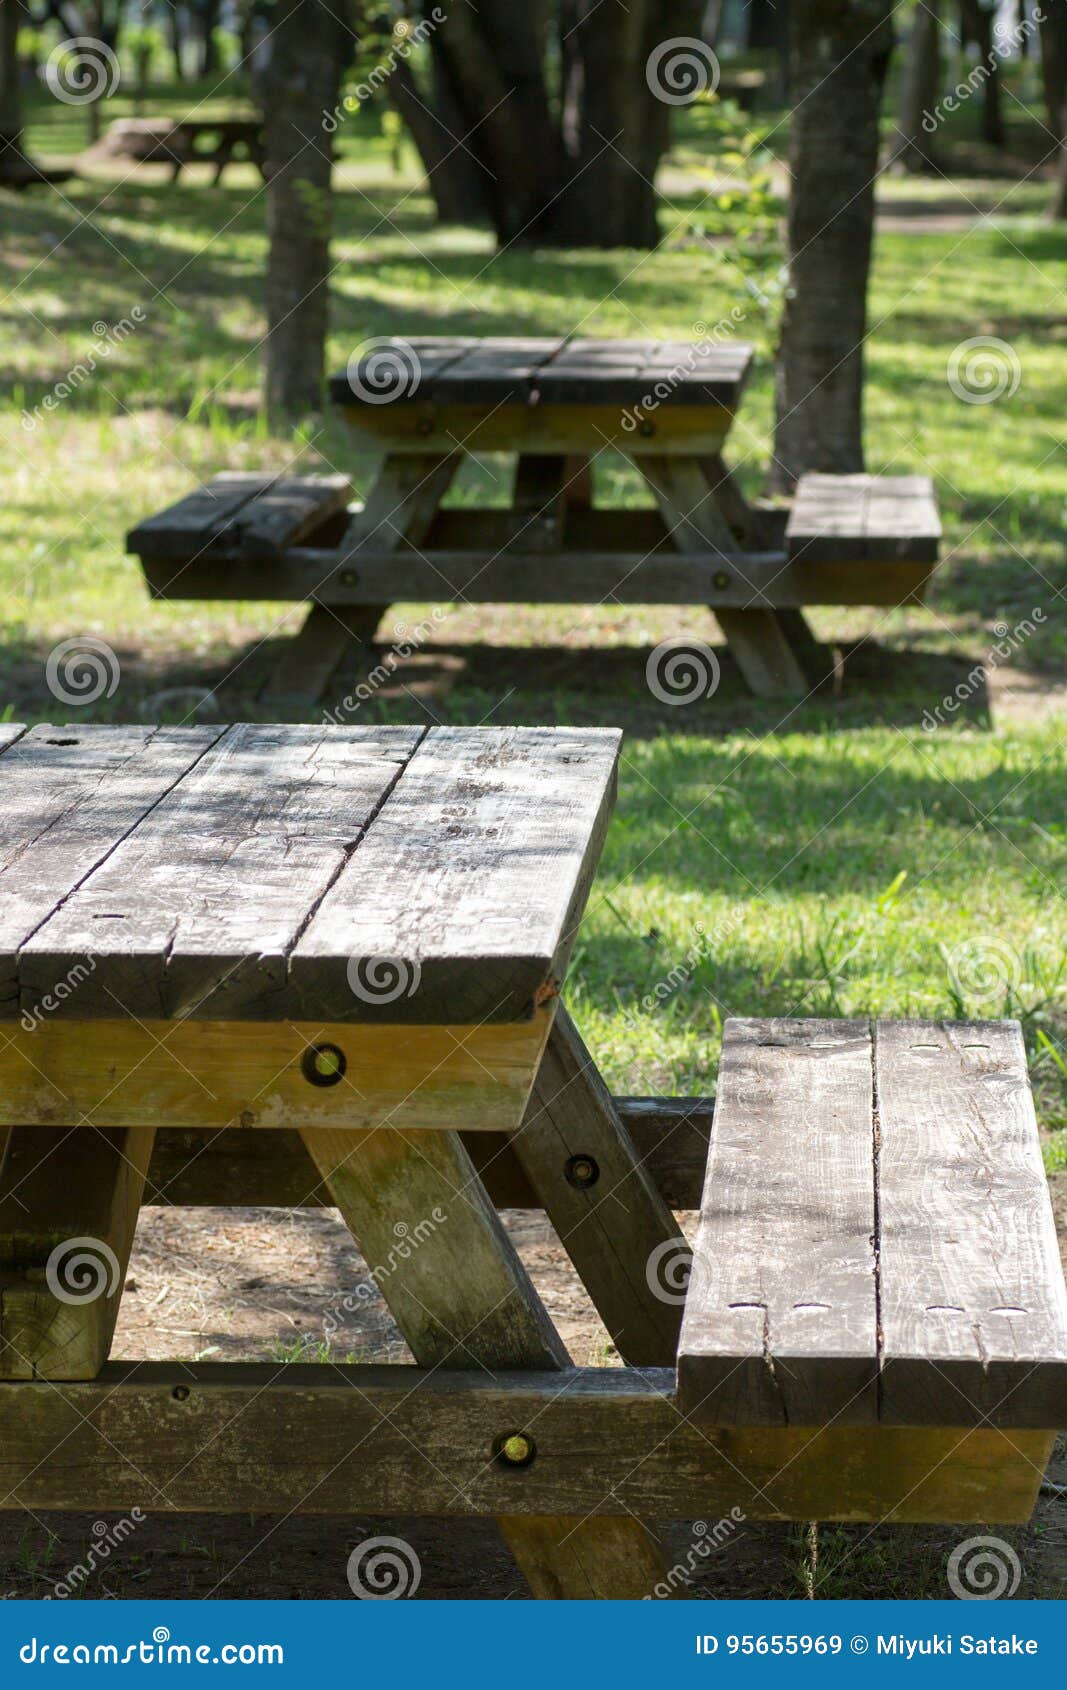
973 1306
876 1238
780 1323
241 516
864 519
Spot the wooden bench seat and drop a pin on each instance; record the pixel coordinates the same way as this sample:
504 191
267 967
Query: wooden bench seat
876 1241
864 519
239 518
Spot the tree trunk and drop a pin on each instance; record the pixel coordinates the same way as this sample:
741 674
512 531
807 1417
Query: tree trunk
177 37
1054 81
839 53
976 28
207 17
15 168
764 24
457 180
309 49
920 91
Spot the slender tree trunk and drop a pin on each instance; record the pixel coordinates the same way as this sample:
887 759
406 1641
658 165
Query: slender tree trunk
309 49
839 55
976 28
1054 81
177 38
914 150
15 167
457 180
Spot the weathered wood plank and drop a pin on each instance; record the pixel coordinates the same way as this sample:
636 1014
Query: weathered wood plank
462 1297
68 797
9 733
197 910
780 1322
241 516
578 575
69 1202
330 634
394 1441
549 426
205 1075
474 875
246 1167
691 507
973 1306
601 1200
864 519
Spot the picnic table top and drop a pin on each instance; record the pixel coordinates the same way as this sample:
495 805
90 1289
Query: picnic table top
387 874
497 371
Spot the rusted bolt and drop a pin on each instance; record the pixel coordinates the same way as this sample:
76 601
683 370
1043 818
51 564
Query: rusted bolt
515 1449
180 1392
646 428
424 425
721 578
349 577
323 1065
582 1172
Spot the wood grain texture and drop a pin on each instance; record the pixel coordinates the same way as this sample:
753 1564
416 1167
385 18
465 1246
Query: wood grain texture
498 371
394 1441
248 1167
68 798
474 875
461 1296
973 1306
864 519
241 516
697 510
600 1198
780 1321
197 911
207 1075
549 426
69 1203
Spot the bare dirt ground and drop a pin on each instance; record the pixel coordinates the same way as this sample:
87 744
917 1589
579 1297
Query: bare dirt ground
228 1284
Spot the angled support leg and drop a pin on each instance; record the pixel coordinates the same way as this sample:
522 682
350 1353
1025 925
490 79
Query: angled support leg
399 508
462 1298
69 1201
756 638
622 1238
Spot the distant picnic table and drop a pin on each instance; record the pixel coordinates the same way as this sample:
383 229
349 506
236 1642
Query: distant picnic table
554 405
186 140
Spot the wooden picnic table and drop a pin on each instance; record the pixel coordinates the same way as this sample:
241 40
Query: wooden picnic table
300 964
184 140
555 405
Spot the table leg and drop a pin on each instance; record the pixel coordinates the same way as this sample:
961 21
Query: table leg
757 639
462 1298
629 1250
69 1201
399 508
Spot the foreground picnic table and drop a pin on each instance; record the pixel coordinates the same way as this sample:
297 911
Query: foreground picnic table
554 405
312 964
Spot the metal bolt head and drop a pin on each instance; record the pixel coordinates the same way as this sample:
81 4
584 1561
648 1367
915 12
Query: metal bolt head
582 1172
721 578
180 1392
424 425
348 577
516 1449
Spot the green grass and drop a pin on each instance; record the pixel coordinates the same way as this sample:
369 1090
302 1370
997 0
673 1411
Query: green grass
831 858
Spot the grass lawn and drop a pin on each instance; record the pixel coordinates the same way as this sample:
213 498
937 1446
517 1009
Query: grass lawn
829 858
